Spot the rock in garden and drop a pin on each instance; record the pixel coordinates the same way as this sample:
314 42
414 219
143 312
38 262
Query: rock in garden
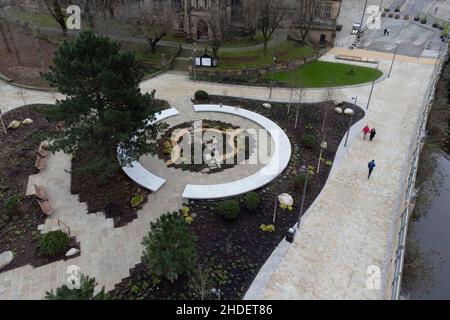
5 258
349 111
338 102
338 110
267 105
72 252
14 124
27 121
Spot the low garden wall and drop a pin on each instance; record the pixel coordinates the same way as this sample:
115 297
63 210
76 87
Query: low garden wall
257 72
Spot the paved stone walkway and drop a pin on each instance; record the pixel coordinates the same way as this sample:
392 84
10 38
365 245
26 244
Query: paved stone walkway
348 224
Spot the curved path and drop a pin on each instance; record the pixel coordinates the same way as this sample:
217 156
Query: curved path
346 229
137 172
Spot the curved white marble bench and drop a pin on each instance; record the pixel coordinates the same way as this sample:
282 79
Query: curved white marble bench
277 164
138 173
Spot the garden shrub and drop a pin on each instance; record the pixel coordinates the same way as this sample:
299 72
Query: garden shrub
423 20
252 201
85 292
309 141
168 147
170 247
136 201
267 228
229 209
12 205
299 180
54 243
201 95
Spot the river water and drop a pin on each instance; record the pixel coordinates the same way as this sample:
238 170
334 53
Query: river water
430 238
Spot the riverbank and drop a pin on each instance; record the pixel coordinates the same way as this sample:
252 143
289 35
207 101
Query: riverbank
427 259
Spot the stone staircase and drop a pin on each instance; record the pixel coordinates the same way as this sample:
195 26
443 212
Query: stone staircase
359 37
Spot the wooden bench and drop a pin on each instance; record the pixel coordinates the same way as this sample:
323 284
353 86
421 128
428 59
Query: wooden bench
42 200
40 192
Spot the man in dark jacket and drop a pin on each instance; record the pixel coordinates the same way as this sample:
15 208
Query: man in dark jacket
371 166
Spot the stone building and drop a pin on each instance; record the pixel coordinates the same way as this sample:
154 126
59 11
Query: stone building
196 16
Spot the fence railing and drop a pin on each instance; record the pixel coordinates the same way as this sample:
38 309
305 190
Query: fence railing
407 207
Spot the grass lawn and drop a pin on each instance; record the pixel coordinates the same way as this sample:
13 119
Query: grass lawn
244 41
289 50
144 54
41 20
320 74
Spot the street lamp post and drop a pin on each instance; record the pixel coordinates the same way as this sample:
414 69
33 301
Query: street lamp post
195 62
274 59
351 120
393 60
362 17
370 95
303 197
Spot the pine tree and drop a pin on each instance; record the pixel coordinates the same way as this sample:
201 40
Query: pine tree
104 106
170 247
85 292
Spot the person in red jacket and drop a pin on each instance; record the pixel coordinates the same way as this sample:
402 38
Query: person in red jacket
365 131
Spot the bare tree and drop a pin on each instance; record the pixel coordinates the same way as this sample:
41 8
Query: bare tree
307 13
217 25
329 96
270 15
4 36
90 10
153 20
54 8
111 6
201 282
5 31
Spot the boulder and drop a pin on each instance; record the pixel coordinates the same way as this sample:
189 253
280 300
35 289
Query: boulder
267 105
27 121
5 258
14 124
338 102
349 111
72 252
338 110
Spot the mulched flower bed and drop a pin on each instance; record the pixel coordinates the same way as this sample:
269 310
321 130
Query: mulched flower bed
19 233
111 195
239 248
165 149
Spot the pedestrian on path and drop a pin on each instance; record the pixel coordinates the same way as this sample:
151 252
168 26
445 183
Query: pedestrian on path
388 32
373 133
365 131
371 166
385 31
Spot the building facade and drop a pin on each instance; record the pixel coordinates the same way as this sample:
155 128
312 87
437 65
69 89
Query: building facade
195 18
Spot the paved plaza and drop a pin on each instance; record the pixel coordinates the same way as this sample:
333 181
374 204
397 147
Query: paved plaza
346 229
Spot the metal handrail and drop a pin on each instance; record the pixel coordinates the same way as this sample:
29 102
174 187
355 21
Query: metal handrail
406 210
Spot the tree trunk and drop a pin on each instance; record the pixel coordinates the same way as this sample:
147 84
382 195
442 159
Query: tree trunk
265 46
5 38
11 36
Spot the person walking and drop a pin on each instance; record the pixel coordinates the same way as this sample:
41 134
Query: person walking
385 31
371 166
365 131
373 133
